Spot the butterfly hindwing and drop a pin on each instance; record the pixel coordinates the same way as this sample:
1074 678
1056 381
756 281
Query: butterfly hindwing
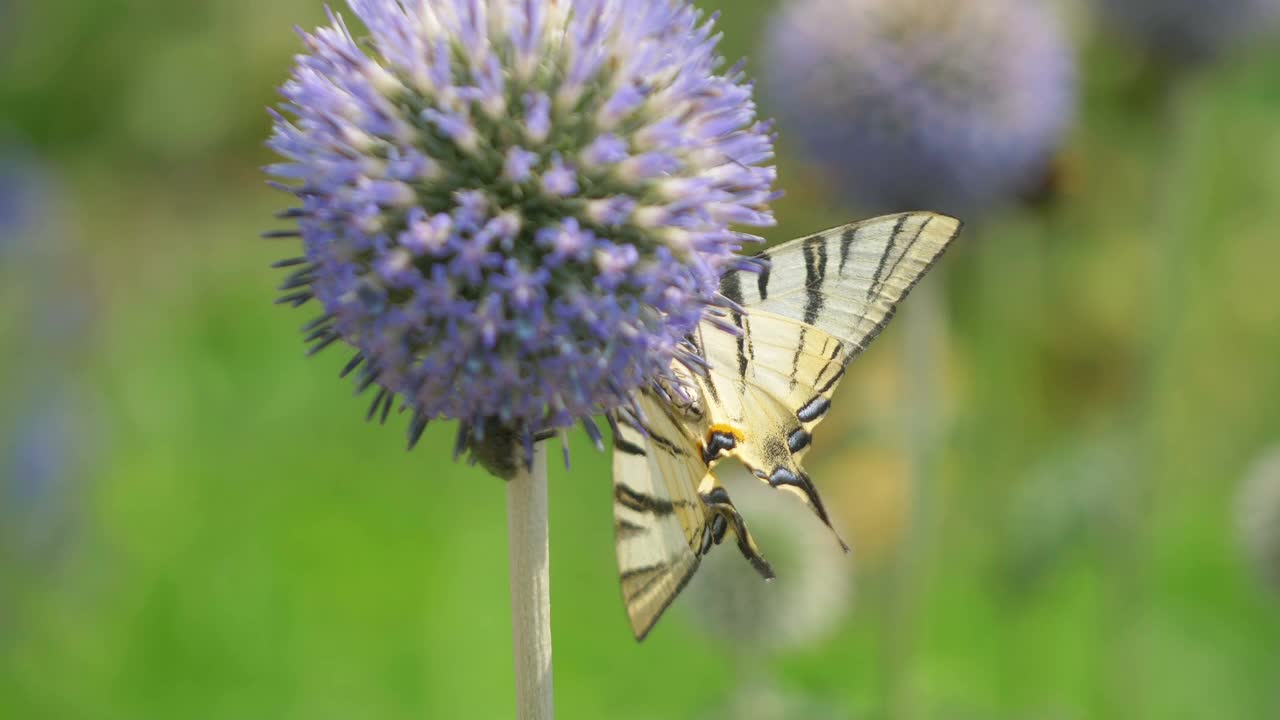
772 406
668 510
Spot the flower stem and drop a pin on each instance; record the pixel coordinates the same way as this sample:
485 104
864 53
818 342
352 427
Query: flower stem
527 545
923 324
1126 684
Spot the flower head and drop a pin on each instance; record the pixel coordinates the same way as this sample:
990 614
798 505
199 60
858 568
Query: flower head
516 210
950 105
1190 31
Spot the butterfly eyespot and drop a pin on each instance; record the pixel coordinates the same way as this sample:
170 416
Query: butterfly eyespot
722 429
720 439
783 476
798 440
814 409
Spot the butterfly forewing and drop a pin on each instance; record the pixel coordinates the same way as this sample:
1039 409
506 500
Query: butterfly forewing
826 297
774 356
846 281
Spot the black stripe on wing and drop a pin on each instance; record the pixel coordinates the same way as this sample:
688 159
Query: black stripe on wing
625 529
731 286
742 345
643 632
874 285
815 271
847 240
795 359
626 446
877 282
839 367
633 499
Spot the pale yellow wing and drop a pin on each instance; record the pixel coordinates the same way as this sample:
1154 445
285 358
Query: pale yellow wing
668 510
846 281
821 301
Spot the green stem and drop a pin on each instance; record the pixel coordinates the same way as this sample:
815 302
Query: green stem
1129 553
924 322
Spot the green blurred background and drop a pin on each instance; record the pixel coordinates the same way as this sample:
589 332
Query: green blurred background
201 526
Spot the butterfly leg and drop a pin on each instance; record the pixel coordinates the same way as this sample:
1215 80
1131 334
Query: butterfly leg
724 517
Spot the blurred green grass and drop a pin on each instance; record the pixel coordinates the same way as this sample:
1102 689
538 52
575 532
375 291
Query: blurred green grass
248 548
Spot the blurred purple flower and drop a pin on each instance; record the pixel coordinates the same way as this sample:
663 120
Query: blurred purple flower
24 186
43 437
40 461
516 210
951 105
1190 31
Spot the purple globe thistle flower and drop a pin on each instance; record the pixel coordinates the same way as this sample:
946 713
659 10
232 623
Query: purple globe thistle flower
1190 31
952 105
516 210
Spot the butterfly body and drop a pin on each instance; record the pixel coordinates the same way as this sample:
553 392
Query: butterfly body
814 306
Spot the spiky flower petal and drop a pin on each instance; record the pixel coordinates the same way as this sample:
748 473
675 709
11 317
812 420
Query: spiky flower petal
516 210
951 105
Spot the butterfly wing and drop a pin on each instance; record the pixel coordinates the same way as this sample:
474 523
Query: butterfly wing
821 301
668 510
765 412
848 281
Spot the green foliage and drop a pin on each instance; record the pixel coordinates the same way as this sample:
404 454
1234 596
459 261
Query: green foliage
246 547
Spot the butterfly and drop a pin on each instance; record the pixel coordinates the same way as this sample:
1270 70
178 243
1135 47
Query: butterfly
814 306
